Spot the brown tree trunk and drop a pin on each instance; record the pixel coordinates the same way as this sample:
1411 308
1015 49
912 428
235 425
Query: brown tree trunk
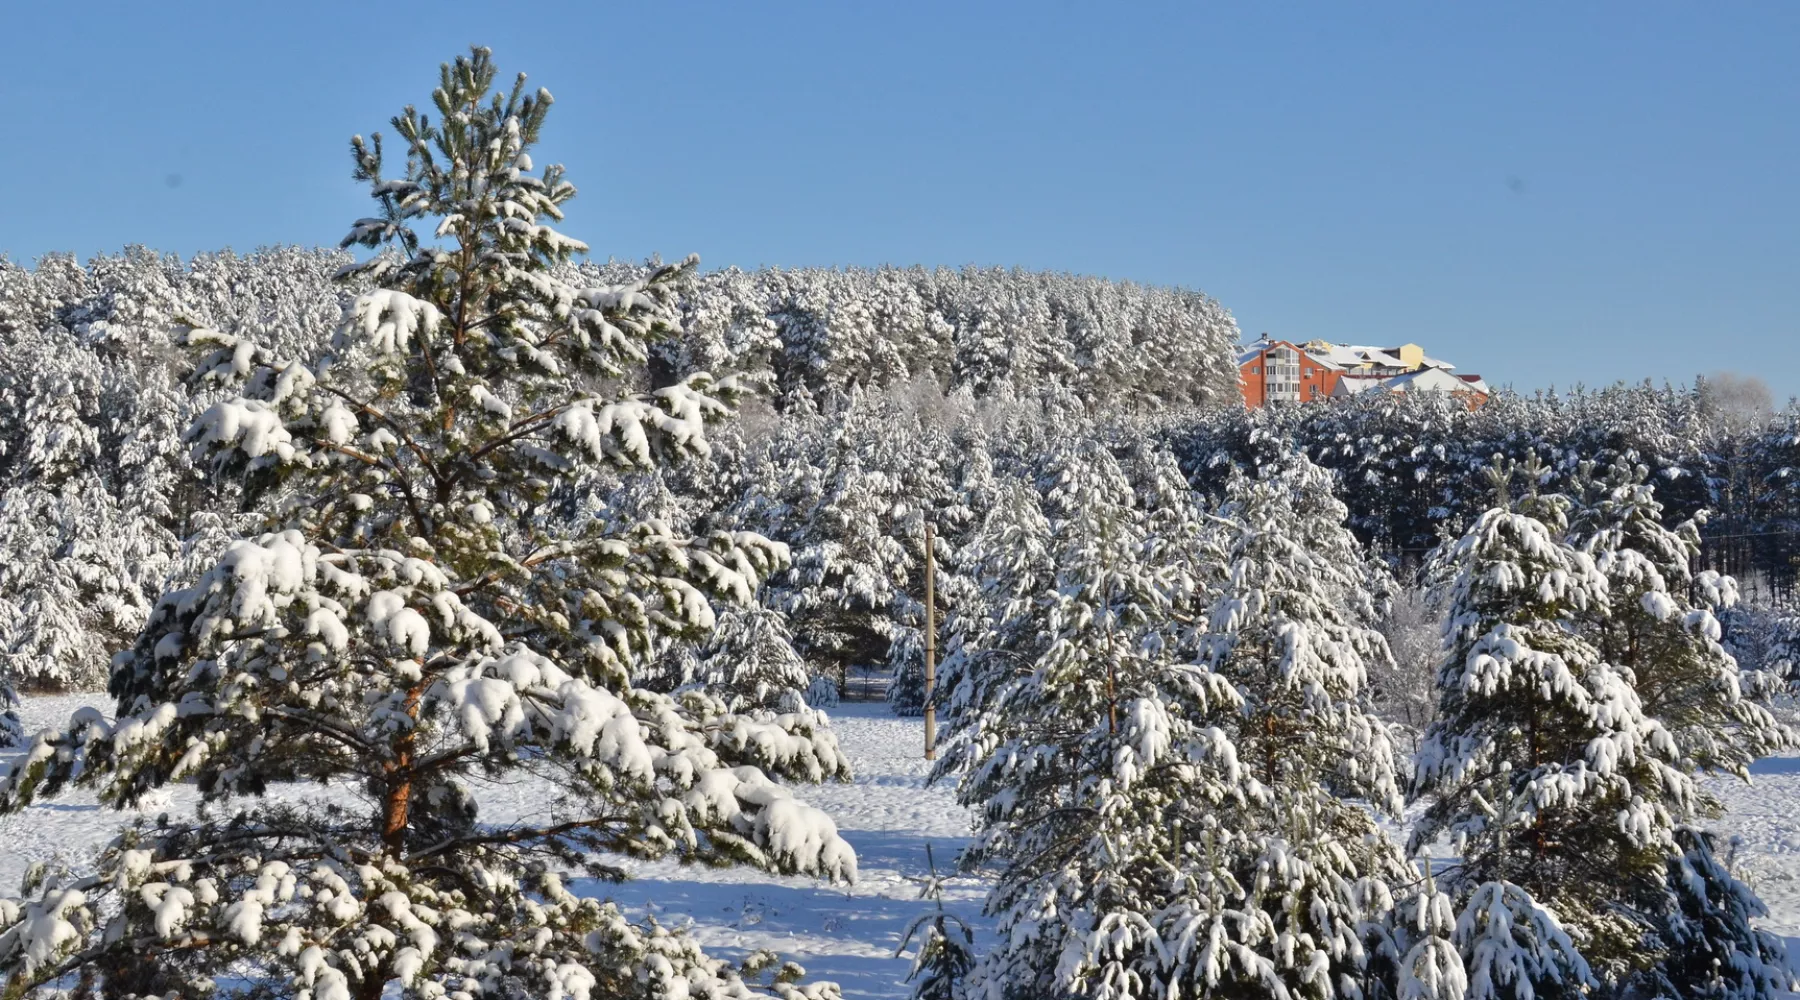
397 800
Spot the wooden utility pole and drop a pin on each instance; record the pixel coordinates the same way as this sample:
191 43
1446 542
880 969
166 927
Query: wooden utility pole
930 647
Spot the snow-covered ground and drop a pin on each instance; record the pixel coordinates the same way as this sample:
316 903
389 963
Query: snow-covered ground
1765 816
847 934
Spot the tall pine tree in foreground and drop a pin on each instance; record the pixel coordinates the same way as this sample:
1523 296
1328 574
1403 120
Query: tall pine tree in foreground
417 621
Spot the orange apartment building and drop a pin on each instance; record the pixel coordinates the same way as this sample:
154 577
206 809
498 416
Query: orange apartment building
1277 371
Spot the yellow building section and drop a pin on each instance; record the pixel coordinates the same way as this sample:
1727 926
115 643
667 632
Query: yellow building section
1356 358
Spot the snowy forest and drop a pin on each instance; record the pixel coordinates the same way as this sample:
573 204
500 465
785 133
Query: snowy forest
1380 699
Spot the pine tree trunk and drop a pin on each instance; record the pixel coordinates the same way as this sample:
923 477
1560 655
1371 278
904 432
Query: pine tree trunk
1537 818
371 988
1112 698
397 801
394 809
1269 749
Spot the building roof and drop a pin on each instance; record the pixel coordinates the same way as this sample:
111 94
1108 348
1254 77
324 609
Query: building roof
1425 360
1424 379
1354 355
1251 352
1354 382
1436 379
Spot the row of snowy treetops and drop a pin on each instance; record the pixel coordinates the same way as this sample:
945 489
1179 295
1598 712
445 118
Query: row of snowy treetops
463 509
99 503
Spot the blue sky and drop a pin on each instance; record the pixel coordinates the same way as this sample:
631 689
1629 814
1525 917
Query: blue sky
1543 193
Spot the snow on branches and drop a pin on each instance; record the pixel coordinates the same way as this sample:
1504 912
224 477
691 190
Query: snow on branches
414 620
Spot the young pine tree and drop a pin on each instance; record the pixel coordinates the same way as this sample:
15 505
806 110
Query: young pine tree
1512 947
1289 867
416 621
1076 730
1661 626
945 952
1559 790
1662 634
1710 946
1432 967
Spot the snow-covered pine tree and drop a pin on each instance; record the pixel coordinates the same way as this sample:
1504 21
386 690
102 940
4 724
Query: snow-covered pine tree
1763 636
944 955
1075 733
1784 643
1177 523
1773 460
416 620
749 660
1432 968
50 403
1555 786
672 504
99 490
848 567
991 639
945 952
1167 827
1286 865
1513 947
910 440
1661 633
80 566
906 669
1711 947
1405 688
1660 625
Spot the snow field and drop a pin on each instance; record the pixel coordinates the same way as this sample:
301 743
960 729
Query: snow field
843 933
848 934
1765 817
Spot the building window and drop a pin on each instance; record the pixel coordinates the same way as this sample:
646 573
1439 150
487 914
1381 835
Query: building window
1255 370
1283 370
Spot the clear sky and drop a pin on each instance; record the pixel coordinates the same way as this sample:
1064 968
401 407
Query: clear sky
1542 193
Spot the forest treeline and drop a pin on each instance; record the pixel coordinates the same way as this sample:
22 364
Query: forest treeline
94 394
883 397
